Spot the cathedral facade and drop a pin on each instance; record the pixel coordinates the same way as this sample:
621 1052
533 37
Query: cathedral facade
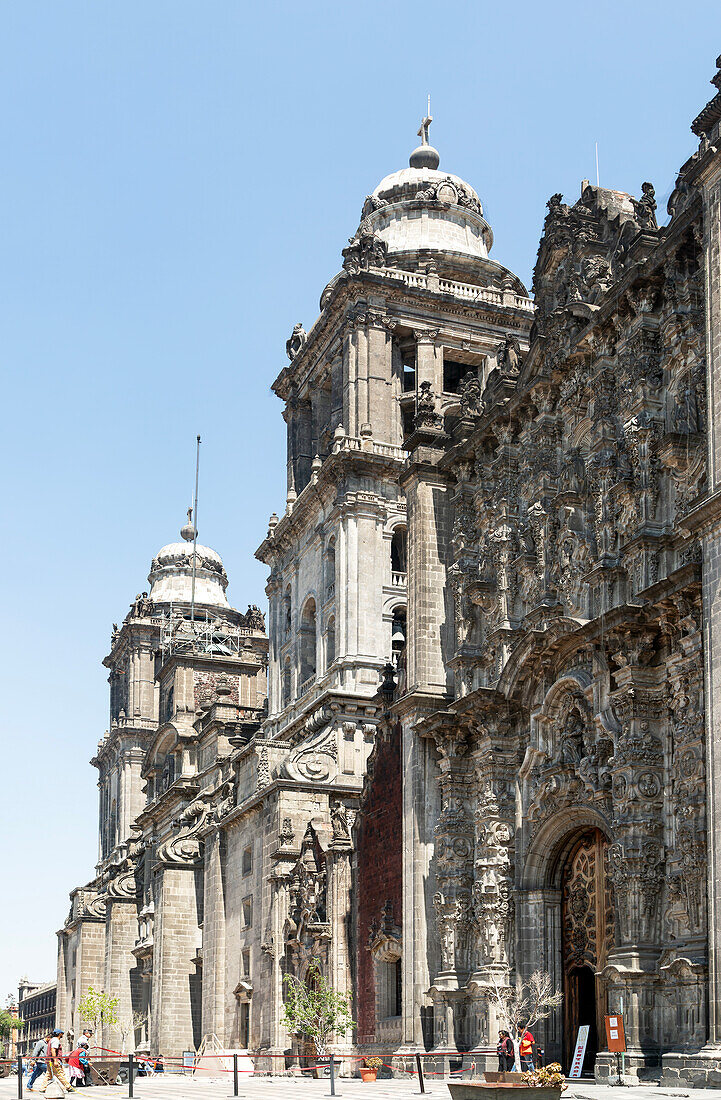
493 654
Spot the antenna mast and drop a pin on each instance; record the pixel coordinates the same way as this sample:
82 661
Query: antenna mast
195 528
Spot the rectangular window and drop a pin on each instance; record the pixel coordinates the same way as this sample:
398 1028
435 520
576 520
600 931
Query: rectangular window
246 963
247 912
247 860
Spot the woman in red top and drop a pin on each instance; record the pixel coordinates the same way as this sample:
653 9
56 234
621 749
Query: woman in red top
526 1051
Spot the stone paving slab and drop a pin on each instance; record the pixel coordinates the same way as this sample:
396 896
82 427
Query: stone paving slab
173 1086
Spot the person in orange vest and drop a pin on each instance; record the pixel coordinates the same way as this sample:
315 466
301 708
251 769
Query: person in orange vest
526 1051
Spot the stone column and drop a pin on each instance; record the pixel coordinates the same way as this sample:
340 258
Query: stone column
429 643
420 943
61 996
121 932
429 361
89 965
176 938
350 373
339 917
362 410
636 860
275 642
382 405
214 976
709 523
273 952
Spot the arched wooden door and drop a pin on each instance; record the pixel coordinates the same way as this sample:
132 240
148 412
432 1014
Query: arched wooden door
587 924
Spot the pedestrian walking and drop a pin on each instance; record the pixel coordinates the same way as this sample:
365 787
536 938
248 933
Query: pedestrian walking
77 1073
504 1049
85 1062
55 1060
40 1054
527 1046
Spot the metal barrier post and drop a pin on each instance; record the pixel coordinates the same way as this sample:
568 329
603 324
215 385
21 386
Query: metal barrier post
130 1075
332 1076
20 1077
235 1075
421 1082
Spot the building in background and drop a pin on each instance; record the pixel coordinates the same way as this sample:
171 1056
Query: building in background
187 676
36 1006
493 661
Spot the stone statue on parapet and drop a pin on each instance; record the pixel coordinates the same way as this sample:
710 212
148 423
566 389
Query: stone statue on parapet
645 207
297 338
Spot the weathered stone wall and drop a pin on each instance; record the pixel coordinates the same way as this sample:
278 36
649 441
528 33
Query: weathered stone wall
380 869
176 1009
121 978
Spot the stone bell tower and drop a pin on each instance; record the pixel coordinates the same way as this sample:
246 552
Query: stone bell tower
408 331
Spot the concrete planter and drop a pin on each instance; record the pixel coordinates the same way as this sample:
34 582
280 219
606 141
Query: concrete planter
478 1090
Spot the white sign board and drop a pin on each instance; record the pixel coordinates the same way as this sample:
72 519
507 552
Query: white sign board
580 1051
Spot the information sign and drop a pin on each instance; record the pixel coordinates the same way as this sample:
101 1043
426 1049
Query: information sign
188 1061
580 1051
615 1035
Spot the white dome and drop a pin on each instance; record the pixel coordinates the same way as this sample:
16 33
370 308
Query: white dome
424 208
171 575
415 179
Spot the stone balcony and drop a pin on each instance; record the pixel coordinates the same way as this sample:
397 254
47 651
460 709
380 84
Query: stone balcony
467 292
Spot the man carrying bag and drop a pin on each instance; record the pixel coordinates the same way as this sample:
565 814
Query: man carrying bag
40 1054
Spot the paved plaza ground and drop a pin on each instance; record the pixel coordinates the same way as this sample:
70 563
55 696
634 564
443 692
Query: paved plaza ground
177 1087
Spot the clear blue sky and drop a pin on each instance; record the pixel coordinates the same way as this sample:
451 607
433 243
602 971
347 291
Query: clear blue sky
178 179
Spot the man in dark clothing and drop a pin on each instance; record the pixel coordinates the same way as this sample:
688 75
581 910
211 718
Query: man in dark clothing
40 1054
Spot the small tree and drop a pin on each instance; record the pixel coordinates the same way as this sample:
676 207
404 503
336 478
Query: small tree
314 1010
94 1006
8 1024
522 1006
130 1026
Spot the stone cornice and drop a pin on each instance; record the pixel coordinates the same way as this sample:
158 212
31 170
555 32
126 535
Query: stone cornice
334 466
705 516
277 785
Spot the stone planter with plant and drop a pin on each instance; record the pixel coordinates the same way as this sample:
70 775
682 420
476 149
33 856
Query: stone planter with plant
369 1071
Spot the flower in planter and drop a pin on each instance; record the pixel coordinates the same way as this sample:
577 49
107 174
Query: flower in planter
550 1076
374 1063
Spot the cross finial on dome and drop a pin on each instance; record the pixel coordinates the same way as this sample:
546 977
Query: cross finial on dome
188 531
425 125
425 156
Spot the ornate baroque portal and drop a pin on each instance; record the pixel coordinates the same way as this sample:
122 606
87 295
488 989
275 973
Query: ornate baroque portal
587 936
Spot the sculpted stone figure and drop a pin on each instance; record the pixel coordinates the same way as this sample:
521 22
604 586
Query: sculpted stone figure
645 207
508 357
297 338
471 402
426 415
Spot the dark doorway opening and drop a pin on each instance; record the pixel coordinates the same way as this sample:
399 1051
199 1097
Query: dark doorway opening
581 1009
587 921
